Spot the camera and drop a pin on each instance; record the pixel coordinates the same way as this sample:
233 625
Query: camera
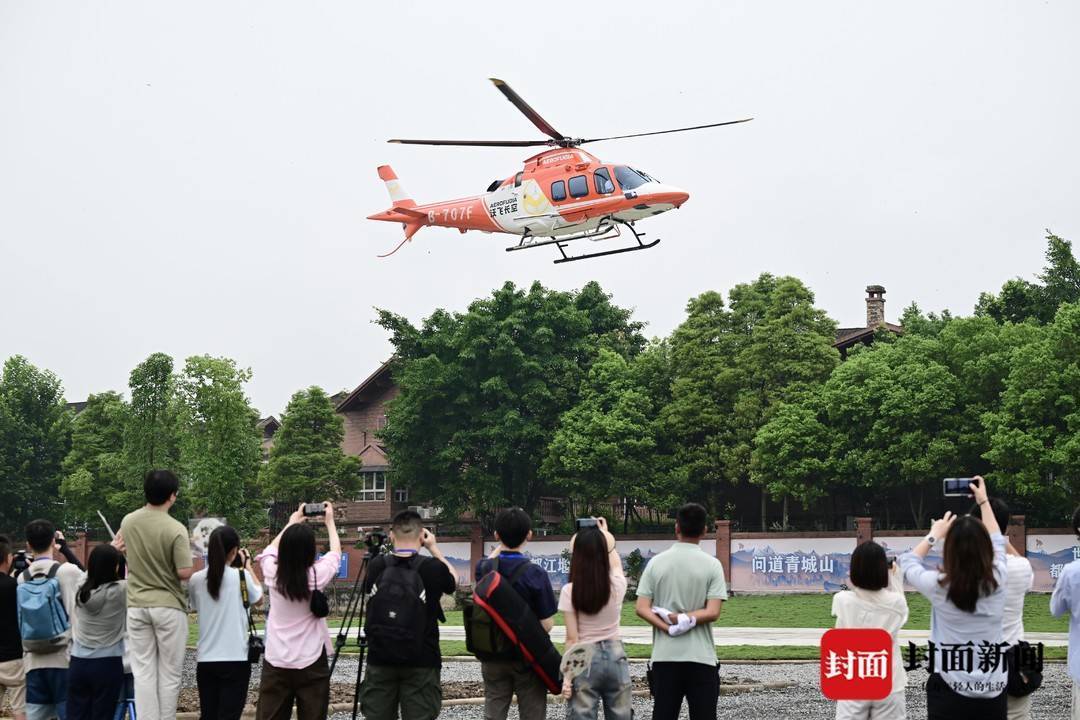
582 523
374 538
957 487
241 558
314 509
19 562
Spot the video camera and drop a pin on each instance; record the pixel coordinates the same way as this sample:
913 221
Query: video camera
375 539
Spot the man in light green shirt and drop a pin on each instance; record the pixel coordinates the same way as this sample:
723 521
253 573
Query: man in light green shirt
158 559
680 595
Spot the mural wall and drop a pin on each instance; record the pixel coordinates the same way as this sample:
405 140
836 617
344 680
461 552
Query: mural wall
790 565
1048 555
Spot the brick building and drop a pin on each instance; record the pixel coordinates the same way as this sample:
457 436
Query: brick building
847 338
364 413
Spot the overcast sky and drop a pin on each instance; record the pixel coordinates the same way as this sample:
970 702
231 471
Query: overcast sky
194 177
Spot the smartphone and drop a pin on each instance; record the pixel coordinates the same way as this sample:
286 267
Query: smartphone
584 523
314 509
957 487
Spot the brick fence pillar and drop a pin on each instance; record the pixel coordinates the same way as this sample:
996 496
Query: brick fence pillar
1017 533
476 550
864 530
723 547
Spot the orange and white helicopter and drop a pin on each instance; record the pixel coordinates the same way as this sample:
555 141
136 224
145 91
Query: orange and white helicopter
561 195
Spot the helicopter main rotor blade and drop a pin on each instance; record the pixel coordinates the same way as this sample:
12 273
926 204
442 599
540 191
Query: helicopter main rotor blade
475 143
527 111
664 132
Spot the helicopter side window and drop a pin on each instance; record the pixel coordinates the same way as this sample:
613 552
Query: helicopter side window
494 185
602 181
558 190
579 186
629 178
517 178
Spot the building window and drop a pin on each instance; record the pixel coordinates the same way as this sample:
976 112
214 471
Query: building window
558 190
372 487
401 494
380 423
602 181
579 186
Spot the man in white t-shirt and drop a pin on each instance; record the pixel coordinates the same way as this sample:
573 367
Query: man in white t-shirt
1019 580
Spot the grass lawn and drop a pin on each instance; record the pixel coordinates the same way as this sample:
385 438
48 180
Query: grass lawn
812 611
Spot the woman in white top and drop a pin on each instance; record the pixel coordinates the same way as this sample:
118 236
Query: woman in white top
967 606
876 602
217 595
591 604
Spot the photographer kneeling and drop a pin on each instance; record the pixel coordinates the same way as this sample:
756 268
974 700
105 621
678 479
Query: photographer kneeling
297 638
221 595
403 615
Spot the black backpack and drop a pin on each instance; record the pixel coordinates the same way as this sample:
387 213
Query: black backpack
483 638
397 611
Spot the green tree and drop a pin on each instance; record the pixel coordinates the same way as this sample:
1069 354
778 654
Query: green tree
1021 300
150 437
94 469
306 461
604 445
482 391
35 434
1035 434
732 367
219 446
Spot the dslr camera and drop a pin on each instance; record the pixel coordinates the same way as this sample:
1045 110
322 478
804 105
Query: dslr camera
19 562
374 538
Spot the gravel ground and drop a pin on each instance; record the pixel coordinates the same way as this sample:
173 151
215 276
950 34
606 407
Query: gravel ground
804 700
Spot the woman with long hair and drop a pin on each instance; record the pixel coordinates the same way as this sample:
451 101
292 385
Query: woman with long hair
592 606
295 668
96 674
967 601
218 594
876 602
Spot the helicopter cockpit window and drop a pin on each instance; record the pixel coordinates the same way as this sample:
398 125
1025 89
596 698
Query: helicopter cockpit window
629 178
602 181
494 185
579 186
558 190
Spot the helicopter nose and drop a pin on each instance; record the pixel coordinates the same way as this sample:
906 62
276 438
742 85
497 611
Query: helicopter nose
668 195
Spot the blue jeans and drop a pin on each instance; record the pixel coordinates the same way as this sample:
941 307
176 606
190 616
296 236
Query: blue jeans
46 694
607 679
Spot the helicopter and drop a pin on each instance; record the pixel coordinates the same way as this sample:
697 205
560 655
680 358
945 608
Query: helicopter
561 195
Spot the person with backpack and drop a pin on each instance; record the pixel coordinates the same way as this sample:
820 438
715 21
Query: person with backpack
158 558
46 601
295 669
592 607
97 651
404 609
222 594
504 673
12 672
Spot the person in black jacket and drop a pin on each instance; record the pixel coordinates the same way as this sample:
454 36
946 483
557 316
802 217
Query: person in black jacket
12 674
397 674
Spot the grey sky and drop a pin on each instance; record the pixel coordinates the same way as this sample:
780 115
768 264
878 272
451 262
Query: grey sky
194 177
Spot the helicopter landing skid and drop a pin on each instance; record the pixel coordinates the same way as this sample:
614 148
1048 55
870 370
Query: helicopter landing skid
608 232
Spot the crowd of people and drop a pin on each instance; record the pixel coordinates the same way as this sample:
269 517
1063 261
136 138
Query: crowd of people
81 643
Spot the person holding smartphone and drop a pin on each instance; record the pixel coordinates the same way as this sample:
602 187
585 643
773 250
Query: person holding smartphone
876 602
967 601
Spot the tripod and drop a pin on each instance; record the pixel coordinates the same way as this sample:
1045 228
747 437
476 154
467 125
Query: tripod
354 611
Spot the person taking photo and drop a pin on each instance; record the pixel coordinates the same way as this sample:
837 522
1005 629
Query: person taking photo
12 673
876 602
1066 599
219 594
591 604
295 669
404 610
967 604
97 649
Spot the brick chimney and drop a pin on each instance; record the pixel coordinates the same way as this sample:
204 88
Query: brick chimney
875 306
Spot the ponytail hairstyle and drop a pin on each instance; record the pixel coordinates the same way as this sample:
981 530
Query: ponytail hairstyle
590 568
296 556
223 540
102 568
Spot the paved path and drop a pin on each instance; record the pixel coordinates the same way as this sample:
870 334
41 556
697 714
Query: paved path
640 634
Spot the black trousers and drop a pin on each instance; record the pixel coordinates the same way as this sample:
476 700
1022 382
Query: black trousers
698 683
94 684
944 703
223 689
